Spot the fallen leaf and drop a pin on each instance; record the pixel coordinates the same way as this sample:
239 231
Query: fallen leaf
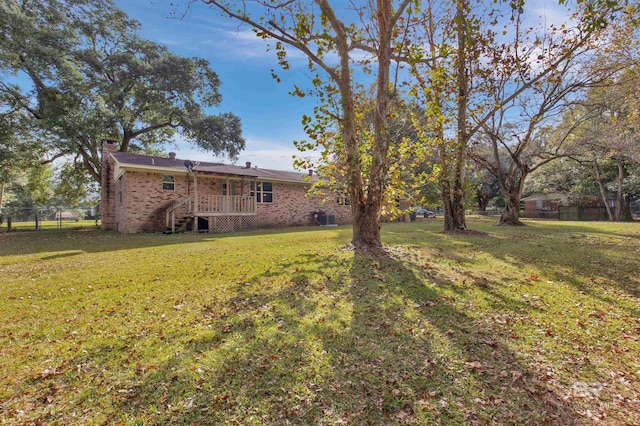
475 365
49 372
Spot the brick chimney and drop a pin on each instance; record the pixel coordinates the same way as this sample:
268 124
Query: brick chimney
310 172
107 201
248 164
172 156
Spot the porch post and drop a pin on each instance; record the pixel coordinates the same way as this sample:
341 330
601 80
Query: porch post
195 203
195 193
243 201
254 203
228 209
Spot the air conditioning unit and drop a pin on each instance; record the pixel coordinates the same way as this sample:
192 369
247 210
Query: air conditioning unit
327 220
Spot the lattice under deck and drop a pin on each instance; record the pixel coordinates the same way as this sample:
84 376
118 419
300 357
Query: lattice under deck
225 224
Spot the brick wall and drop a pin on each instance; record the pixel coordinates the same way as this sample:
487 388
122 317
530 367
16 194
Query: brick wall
107 218
329 205
138 203
145 202
291 207
120 203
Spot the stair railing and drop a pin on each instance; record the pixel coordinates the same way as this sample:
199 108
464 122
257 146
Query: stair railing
170 215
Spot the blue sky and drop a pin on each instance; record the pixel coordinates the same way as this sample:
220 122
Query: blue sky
270 116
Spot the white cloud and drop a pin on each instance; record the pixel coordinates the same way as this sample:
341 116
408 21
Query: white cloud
244 44
201 29
551 13
266 154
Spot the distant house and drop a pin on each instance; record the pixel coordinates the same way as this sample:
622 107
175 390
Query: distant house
153 194
559 206
64 215
543 205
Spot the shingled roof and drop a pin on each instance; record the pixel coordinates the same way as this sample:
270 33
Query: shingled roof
129 160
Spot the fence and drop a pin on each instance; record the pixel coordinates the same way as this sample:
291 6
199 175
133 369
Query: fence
542 214
583 213
23 219
490 212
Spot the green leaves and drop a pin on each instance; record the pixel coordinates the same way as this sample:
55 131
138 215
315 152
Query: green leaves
220 134
93 76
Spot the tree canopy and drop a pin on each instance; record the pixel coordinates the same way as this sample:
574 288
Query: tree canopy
81 72
406 91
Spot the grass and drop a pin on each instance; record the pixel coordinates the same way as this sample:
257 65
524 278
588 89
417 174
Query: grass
530 325
50 224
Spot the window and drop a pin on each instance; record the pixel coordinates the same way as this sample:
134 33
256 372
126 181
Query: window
168 182
342 200
539 204
263 191
225 189
121 190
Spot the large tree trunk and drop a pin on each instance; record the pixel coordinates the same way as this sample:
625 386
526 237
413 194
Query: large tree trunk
127 136
454 202
512 193
367 218
366 231
483 202
511 213
603 192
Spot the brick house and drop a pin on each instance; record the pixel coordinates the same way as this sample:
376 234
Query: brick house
153 194
543 205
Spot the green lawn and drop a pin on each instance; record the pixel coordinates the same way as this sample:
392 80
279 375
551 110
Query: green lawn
51 224
531 325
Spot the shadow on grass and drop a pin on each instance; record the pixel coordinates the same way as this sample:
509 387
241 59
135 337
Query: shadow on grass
586 257
560 247
61 255
95 241
362 340
329 339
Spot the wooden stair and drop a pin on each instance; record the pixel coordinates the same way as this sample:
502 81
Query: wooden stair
181 225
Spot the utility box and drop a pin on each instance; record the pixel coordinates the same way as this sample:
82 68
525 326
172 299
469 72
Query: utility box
327 220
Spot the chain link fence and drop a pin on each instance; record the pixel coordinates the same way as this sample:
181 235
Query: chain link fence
58 217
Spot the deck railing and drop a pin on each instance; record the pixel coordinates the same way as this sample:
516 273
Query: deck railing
225 204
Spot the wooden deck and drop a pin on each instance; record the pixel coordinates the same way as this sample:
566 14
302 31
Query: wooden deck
211 206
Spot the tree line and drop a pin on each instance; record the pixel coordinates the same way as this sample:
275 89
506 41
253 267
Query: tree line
77 71
415 99
425 89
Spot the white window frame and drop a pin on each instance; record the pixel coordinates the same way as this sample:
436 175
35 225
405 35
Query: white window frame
258 191
168 183
342 200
